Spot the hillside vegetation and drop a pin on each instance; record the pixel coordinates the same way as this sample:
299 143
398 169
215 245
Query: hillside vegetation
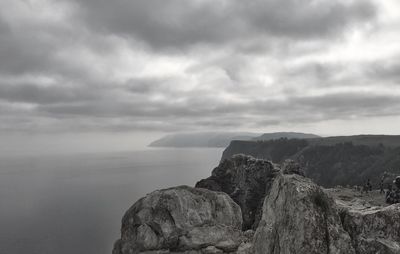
330 161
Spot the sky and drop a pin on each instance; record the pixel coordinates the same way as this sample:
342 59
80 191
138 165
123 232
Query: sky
100 74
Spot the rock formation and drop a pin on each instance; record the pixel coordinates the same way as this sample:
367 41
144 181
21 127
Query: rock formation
246 180
181 219
299 217
295 216
372 229
330 161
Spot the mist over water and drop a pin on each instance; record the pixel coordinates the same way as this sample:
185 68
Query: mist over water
73 204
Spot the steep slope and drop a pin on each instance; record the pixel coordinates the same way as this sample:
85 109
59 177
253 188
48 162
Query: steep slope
328 165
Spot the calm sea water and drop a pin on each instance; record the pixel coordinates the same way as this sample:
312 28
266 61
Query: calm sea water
74 204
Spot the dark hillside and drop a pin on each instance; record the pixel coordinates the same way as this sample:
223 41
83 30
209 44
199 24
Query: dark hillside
343 163
369 140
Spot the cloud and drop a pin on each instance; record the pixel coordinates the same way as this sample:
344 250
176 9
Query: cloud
387 69
181 24
154 65
40 94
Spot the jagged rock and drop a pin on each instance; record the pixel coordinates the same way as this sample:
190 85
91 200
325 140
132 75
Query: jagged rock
299 217
292 167
372 229
181 219
246 180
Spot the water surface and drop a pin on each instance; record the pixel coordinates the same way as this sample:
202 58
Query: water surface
73 204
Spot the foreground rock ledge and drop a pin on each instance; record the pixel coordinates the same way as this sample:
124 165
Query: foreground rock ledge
297 216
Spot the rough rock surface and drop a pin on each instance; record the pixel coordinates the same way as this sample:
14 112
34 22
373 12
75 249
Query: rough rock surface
292 167
289 214
373 229
181 219
299 217
246 180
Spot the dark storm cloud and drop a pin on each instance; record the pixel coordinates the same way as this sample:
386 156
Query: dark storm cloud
199 112
350 103
388 70
176 24
40 94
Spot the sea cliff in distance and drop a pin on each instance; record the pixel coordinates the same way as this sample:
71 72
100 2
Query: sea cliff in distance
221 139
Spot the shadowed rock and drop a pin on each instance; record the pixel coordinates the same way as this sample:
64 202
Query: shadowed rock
246 180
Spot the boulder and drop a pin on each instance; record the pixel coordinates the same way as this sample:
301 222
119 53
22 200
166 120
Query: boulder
181 219
246 180
299 217
372 229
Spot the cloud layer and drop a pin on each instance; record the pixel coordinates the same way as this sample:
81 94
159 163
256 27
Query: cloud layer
154 65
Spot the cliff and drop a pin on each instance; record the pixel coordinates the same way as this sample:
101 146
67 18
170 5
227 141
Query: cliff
250 206
328 164
221 139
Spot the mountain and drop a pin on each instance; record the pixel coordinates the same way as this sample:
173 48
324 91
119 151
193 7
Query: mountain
220 139
289 135
331 161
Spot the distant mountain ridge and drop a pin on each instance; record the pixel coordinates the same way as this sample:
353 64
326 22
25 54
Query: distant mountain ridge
289 135
347 160
221 139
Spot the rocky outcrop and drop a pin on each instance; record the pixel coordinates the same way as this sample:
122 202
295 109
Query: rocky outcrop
181 219
289 214
372 229
246 180
292 167
299 217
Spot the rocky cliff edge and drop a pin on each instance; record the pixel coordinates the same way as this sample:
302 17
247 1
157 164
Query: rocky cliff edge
252 206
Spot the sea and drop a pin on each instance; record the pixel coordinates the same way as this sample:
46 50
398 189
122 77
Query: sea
73 204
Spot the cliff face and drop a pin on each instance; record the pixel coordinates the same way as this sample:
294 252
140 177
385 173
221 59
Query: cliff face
246 180
296 216
326 164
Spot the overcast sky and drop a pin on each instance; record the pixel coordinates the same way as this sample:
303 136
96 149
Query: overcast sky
141 68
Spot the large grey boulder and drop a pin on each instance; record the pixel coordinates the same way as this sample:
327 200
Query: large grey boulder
373 230
299 217
181 219
247 181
